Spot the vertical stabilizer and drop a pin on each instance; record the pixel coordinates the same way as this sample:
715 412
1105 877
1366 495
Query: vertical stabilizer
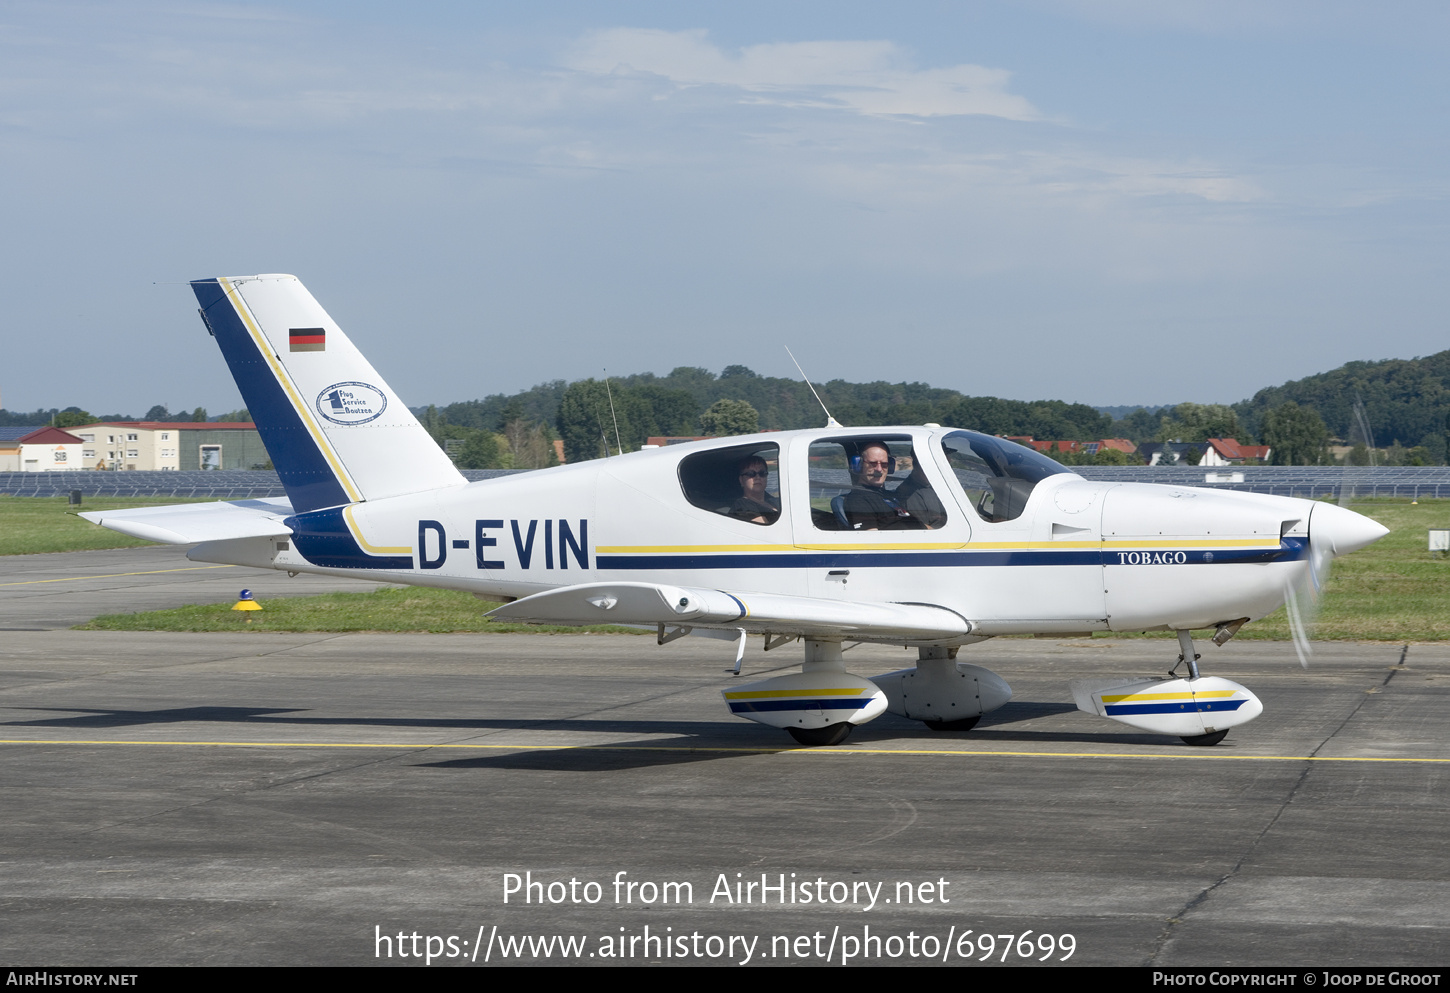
336 432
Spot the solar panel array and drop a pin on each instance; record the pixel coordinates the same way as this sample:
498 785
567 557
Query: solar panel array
1282 480
214 484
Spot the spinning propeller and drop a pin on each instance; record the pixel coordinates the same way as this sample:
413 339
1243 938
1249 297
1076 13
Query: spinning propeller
1334 530
1303 596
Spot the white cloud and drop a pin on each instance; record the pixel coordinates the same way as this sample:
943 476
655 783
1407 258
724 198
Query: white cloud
1092 173
869 77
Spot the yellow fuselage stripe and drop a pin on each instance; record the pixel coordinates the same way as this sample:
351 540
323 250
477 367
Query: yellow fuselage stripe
363 542
1185 695
766 694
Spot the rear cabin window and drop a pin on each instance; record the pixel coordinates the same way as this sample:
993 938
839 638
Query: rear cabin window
871 484
741 482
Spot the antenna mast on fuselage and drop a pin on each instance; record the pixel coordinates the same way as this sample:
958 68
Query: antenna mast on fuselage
831 422
610 393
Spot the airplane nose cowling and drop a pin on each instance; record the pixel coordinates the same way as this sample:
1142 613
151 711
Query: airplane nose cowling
1344 530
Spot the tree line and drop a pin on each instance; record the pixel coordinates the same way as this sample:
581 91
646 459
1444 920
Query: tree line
595 417
1404 402
71 417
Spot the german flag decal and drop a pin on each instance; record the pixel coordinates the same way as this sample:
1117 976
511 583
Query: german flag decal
307 339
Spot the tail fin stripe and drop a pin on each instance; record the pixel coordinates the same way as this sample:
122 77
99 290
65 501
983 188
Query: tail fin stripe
288 387
304 469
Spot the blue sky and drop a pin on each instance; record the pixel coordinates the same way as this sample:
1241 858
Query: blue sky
1115 202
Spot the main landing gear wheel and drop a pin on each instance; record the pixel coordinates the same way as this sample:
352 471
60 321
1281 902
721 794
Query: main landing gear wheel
1204 739
832 734
965 724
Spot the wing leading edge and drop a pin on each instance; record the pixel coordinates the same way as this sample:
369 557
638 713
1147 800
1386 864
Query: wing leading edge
196 522
651 603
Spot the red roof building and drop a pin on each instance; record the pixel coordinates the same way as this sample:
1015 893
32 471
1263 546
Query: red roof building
49 436
1231 452
1082 447
45 449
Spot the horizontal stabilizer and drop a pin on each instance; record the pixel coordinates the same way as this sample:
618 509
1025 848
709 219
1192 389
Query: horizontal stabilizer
685 606
193 522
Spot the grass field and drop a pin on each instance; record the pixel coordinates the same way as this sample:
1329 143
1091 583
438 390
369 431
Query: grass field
29 525
392 608
1395 590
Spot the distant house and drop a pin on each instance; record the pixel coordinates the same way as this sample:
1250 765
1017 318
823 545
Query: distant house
1046 446
1175 453
168 445
1080 447
1232 453
44 449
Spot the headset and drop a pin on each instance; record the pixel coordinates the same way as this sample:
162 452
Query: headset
855 460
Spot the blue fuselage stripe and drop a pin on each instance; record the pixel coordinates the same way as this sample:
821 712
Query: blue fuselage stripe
323 538
1289 550
766 706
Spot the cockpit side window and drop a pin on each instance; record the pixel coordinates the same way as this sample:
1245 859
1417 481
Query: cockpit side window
996 475
871 484
741 482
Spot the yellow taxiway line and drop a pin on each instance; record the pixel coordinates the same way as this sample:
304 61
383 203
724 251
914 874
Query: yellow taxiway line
831 750
113 575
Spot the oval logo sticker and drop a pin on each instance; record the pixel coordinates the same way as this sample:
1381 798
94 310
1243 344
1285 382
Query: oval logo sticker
351 403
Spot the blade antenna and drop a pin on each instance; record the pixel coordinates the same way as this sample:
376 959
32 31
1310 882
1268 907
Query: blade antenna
610 393
831 422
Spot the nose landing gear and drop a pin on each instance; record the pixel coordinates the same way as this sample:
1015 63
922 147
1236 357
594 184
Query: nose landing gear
1200 709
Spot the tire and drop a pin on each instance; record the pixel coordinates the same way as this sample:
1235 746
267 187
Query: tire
1204 739
965 724
832 734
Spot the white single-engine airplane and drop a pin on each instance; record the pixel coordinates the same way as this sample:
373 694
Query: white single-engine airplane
925 537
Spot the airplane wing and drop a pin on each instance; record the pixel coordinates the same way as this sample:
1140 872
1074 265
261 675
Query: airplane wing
687 606
194 522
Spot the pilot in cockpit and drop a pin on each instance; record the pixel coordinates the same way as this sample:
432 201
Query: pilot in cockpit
754 504
870 506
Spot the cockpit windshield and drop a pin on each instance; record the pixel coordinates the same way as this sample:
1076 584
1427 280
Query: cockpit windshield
997 475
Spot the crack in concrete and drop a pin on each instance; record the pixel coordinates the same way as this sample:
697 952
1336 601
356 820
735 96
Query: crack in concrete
1167 935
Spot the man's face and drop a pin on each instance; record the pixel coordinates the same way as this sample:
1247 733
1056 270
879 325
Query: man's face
752 481
875 462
